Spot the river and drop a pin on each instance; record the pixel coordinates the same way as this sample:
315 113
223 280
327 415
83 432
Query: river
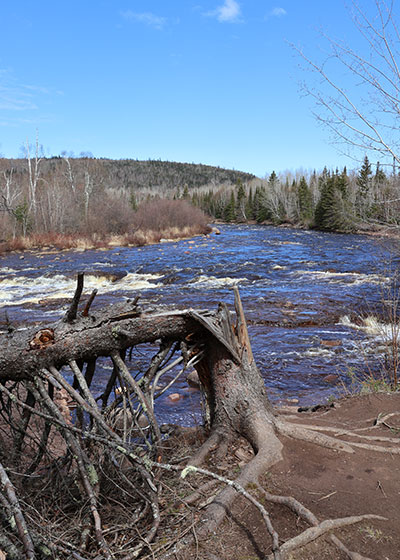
302 292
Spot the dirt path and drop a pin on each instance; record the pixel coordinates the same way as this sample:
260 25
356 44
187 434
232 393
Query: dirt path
331 484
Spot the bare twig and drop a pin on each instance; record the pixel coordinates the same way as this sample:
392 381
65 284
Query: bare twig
73 308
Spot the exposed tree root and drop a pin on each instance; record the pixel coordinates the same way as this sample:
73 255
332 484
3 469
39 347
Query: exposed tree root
340 432
313 533
308 516
106 456
212 442
268 455
350 554
298 432
307 433
200 492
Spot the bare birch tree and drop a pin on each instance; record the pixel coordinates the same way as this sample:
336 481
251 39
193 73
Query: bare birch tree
9 196
362 106
34 175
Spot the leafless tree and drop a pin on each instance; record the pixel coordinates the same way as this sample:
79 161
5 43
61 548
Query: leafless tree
34 174
9 196
357 94
70 175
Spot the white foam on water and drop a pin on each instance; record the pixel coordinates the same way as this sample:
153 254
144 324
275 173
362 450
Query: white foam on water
337 333
385 332
344 277
204 281
318 352
21 290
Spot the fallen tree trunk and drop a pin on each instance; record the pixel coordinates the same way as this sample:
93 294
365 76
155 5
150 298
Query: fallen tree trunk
26 352
117 447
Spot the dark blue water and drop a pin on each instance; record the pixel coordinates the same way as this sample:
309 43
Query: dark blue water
297 289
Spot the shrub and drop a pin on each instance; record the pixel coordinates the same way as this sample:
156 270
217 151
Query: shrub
162 214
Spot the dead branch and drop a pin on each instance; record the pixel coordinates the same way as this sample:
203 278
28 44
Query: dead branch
73 309
98 452
313 533
16 517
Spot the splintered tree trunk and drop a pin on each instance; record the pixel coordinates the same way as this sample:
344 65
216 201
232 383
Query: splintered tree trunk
237 405
89 452
236 400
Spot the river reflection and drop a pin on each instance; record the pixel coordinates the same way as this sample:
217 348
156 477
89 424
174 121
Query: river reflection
301 291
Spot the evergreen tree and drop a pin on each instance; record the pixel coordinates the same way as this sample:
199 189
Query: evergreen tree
273 179
305 200
364 180
379 178
379 209
230 209
333 211
342 182
195 199
261 209
133 201
185 194
249 205
241 202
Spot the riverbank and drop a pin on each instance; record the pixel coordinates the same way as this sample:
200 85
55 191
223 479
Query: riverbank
295 285
78 242
376 230
139 238
329 483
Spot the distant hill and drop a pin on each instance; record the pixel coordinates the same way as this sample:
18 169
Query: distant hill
134 174
168 174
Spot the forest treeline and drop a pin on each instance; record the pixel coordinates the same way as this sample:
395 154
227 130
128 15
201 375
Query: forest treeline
42 198
331 200
59 199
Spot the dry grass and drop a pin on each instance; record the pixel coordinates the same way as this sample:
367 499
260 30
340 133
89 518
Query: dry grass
81 242
115 225
53 240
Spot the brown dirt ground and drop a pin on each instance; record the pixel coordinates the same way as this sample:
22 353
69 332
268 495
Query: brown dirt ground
331 484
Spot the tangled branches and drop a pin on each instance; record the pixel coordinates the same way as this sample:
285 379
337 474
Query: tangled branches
82 461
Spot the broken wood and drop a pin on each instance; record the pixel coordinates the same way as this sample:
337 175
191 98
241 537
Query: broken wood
91 461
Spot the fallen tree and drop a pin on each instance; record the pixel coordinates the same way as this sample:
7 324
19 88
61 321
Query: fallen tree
67 479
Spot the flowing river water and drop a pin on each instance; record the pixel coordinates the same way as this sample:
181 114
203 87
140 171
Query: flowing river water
302 292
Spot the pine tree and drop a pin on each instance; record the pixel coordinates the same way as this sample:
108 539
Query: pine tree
241 202
305 201
133 201
249 205
273 179
195 199
185 194
379 178
342 182
333 211
261 211
230 209
381 191
364 181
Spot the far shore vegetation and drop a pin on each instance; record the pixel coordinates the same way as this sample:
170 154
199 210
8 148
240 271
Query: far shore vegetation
68 202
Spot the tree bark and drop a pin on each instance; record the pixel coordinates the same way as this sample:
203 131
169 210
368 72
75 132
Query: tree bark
236 405
24 353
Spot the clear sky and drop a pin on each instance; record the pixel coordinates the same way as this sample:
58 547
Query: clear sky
204 81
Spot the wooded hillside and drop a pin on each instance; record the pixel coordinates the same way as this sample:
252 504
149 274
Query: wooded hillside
132 173
64 196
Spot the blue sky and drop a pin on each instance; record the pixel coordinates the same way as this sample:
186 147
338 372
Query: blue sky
204 81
